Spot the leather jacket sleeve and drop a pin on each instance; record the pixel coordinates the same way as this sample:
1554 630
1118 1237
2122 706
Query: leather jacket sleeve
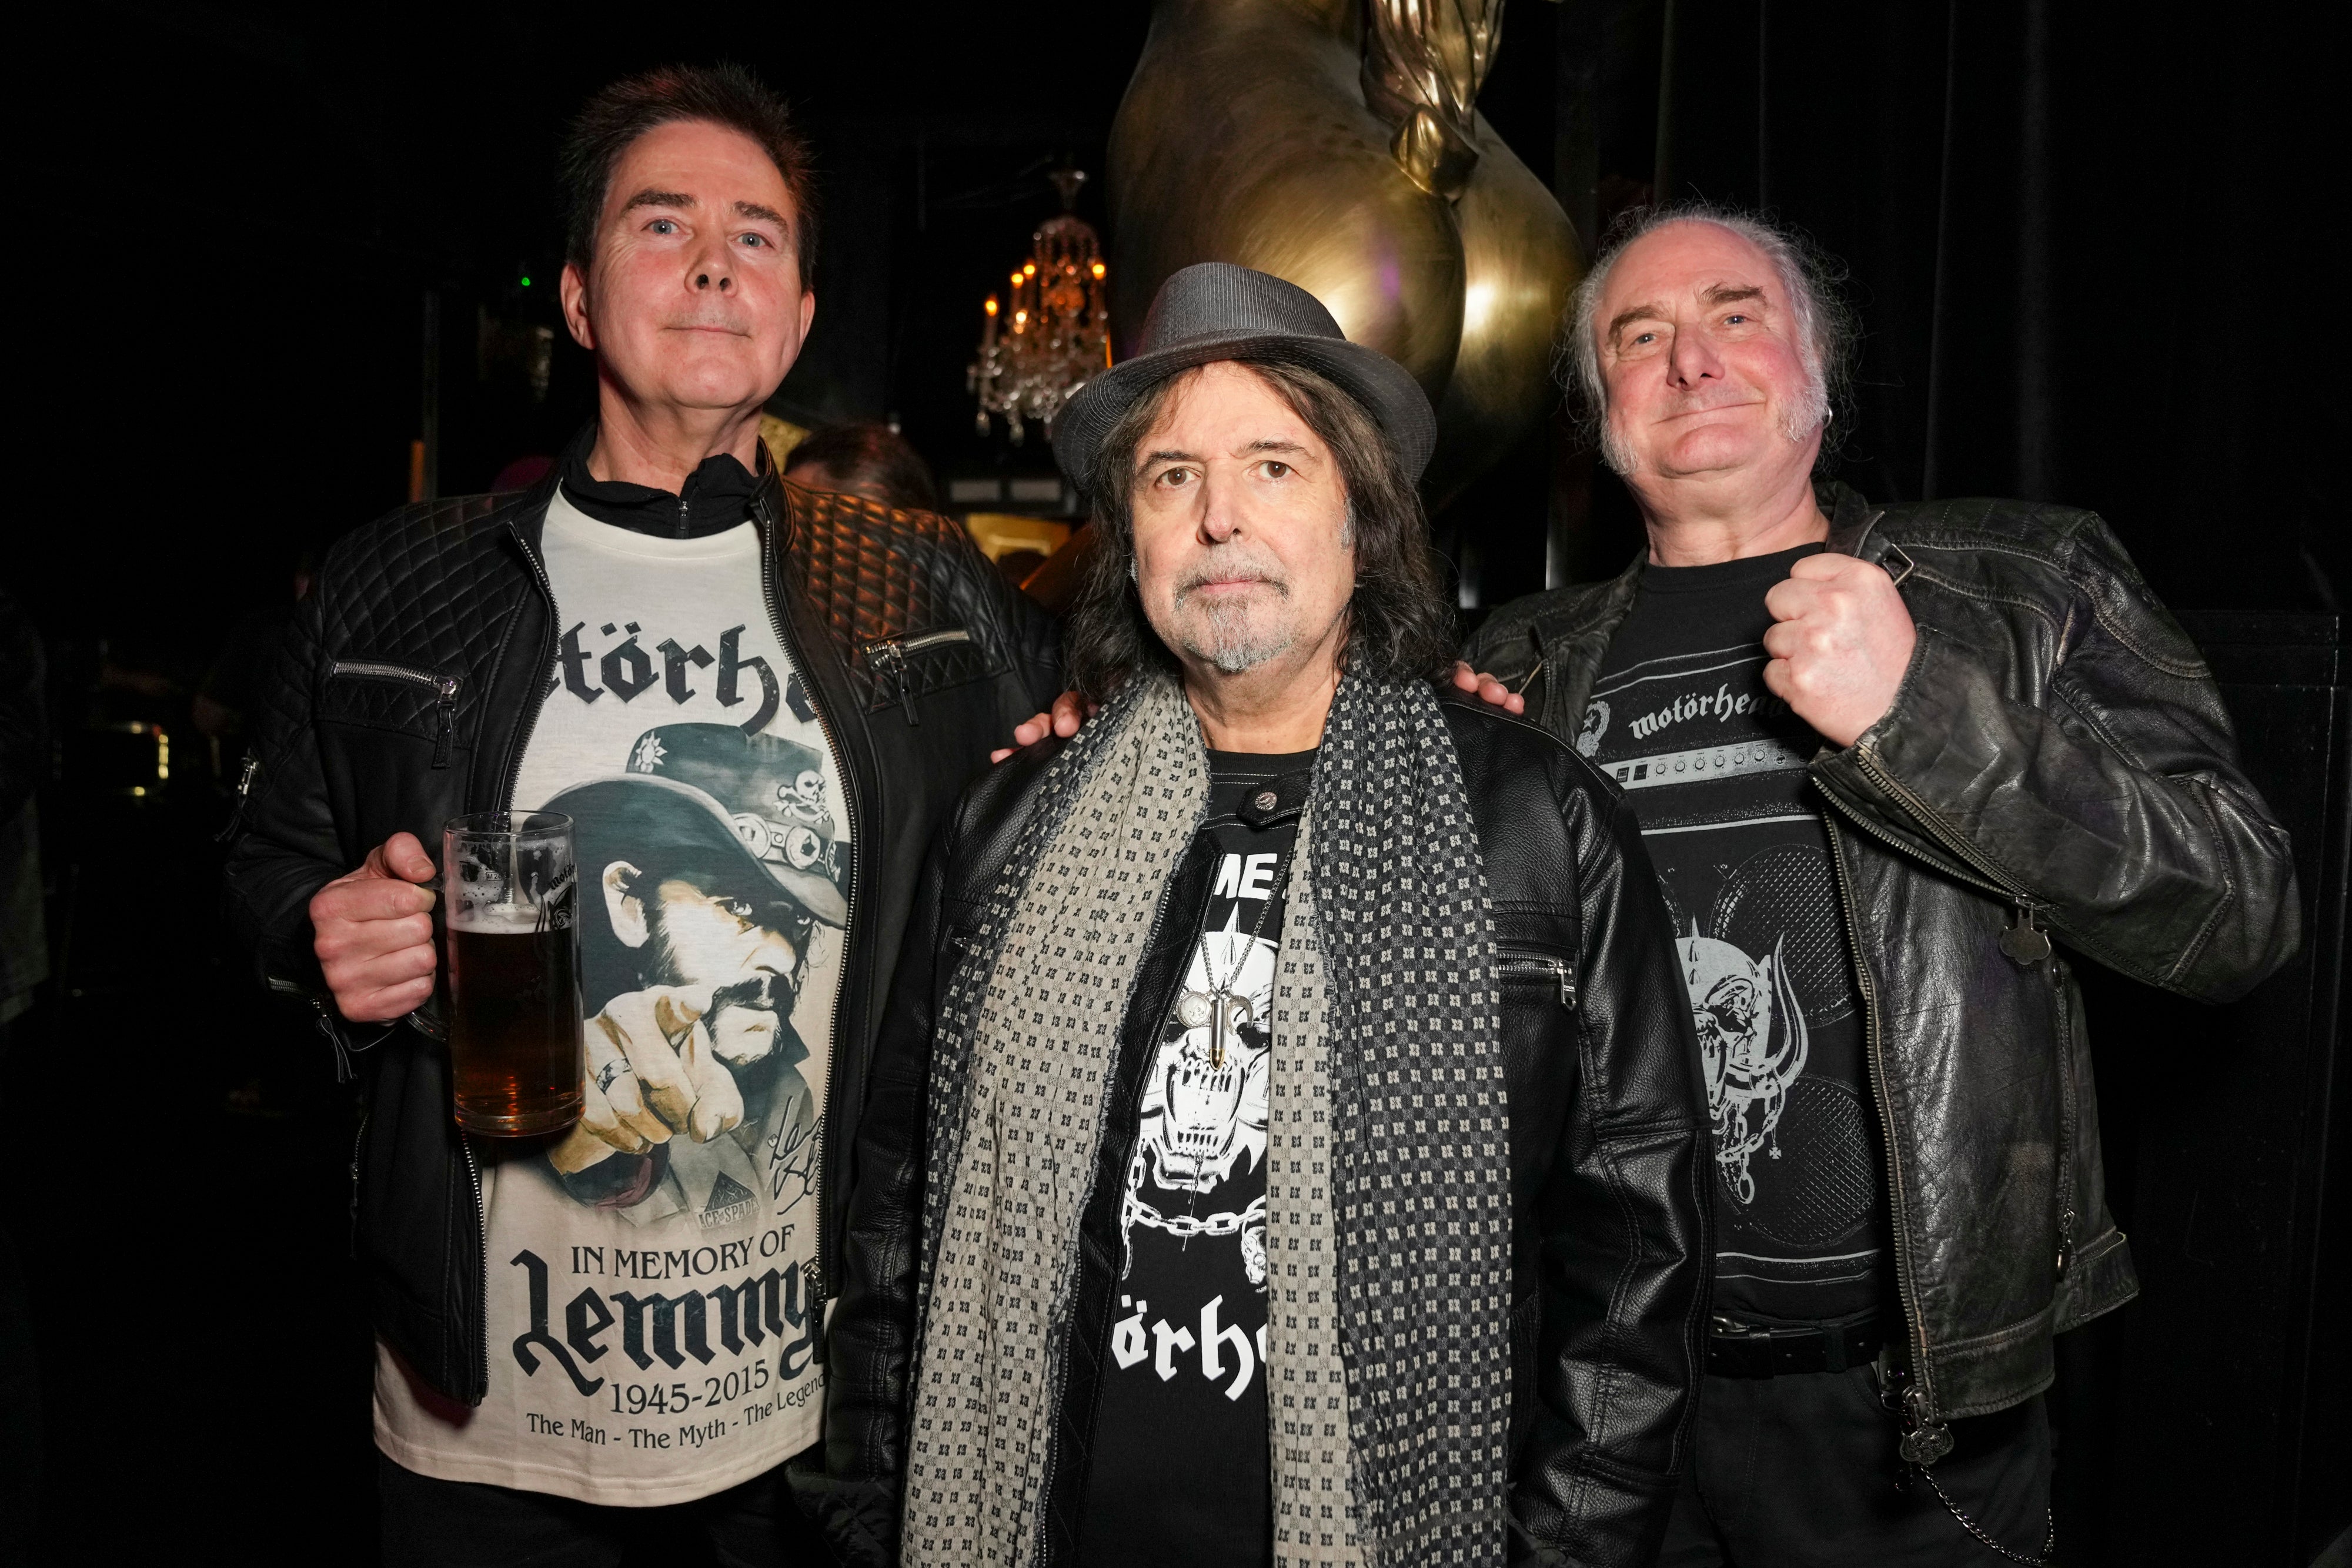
1037 638
1626 1228
2097 785
851 1485
285 847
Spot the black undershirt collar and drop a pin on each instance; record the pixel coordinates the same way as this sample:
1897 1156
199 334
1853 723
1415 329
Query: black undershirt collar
717 496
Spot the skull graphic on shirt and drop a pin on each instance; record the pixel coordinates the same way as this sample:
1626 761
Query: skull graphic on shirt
1204 1106
1752 1043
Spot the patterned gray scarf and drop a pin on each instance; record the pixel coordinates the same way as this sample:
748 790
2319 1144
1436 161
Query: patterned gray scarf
1387 1176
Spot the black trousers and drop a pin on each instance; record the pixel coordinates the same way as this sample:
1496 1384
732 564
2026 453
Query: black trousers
1801 1472
430 1523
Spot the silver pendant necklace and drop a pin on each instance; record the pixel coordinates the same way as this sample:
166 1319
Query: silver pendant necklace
1216 1006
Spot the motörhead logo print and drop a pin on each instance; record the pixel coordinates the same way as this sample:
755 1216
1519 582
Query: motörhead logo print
1714 766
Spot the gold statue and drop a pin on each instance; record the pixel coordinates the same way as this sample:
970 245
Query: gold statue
1335 144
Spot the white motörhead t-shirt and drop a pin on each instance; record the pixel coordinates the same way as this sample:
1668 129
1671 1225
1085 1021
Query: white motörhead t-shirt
654 1327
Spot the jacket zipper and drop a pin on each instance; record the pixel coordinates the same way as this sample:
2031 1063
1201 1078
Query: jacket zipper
482 1302
358 1138
2068 1111
2031 945
890 656
1529 963
1875 1044
445 705
506 804
546 659
244 792
782 625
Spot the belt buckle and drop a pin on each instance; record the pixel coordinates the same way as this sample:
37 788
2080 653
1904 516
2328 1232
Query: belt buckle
1743 1350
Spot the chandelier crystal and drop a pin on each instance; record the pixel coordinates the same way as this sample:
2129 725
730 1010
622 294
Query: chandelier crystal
1051 333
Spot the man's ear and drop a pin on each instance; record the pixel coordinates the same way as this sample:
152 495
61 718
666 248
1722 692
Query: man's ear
623 908
573 287
808 311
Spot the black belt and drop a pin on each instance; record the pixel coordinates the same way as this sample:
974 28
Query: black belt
1736 1349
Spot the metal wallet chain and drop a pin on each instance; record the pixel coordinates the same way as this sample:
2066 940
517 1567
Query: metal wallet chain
2049 1538
1891 1381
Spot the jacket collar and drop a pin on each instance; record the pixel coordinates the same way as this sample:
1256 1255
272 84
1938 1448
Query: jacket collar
1853 520
771 504
715 498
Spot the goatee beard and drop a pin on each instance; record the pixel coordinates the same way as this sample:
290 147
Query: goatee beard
1224 637
1233 645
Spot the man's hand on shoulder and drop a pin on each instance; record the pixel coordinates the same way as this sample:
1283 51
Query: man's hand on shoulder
372 931
1840 644
1487 689
1070 710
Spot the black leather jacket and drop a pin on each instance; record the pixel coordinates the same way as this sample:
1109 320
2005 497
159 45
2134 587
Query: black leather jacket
1609 1158
449 597
2057 753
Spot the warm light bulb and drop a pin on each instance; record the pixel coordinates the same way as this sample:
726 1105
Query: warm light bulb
1017 278
1028 269
1020 316
1099 269
991 306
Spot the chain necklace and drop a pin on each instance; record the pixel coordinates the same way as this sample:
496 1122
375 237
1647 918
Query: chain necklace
1220 991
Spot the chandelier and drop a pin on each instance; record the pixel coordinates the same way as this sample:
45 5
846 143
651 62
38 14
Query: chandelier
1051 333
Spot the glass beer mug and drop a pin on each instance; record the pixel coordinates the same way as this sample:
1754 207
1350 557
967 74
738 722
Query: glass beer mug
510 893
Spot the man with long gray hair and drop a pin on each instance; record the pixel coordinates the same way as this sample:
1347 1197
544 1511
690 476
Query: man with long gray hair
1284 1144
1884 758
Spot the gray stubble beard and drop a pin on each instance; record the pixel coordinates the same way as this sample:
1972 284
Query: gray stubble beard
1224 637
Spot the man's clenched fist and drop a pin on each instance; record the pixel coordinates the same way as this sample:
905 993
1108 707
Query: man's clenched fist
1842 641
372 931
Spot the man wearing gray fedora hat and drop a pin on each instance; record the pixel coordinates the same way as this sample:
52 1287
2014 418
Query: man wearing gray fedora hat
1285 1142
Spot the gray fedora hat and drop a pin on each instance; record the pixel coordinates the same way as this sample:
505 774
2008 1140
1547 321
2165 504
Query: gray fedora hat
1215 311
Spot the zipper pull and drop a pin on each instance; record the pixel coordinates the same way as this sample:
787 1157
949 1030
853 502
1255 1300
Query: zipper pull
445 740
890 661
244 790
2065 1237
2025 942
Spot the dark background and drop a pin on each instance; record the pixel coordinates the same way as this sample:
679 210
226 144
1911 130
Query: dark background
2088 245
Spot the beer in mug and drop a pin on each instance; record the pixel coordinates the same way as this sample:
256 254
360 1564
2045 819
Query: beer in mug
510 893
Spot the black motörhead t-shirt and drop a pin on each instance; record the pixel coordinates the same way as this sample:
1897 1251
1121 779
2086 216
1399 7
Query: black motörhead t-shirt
1179 1473
1714 766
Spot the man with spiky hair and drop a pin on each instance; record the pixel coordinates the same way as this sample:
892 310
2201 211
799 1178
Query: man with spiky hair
666 641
